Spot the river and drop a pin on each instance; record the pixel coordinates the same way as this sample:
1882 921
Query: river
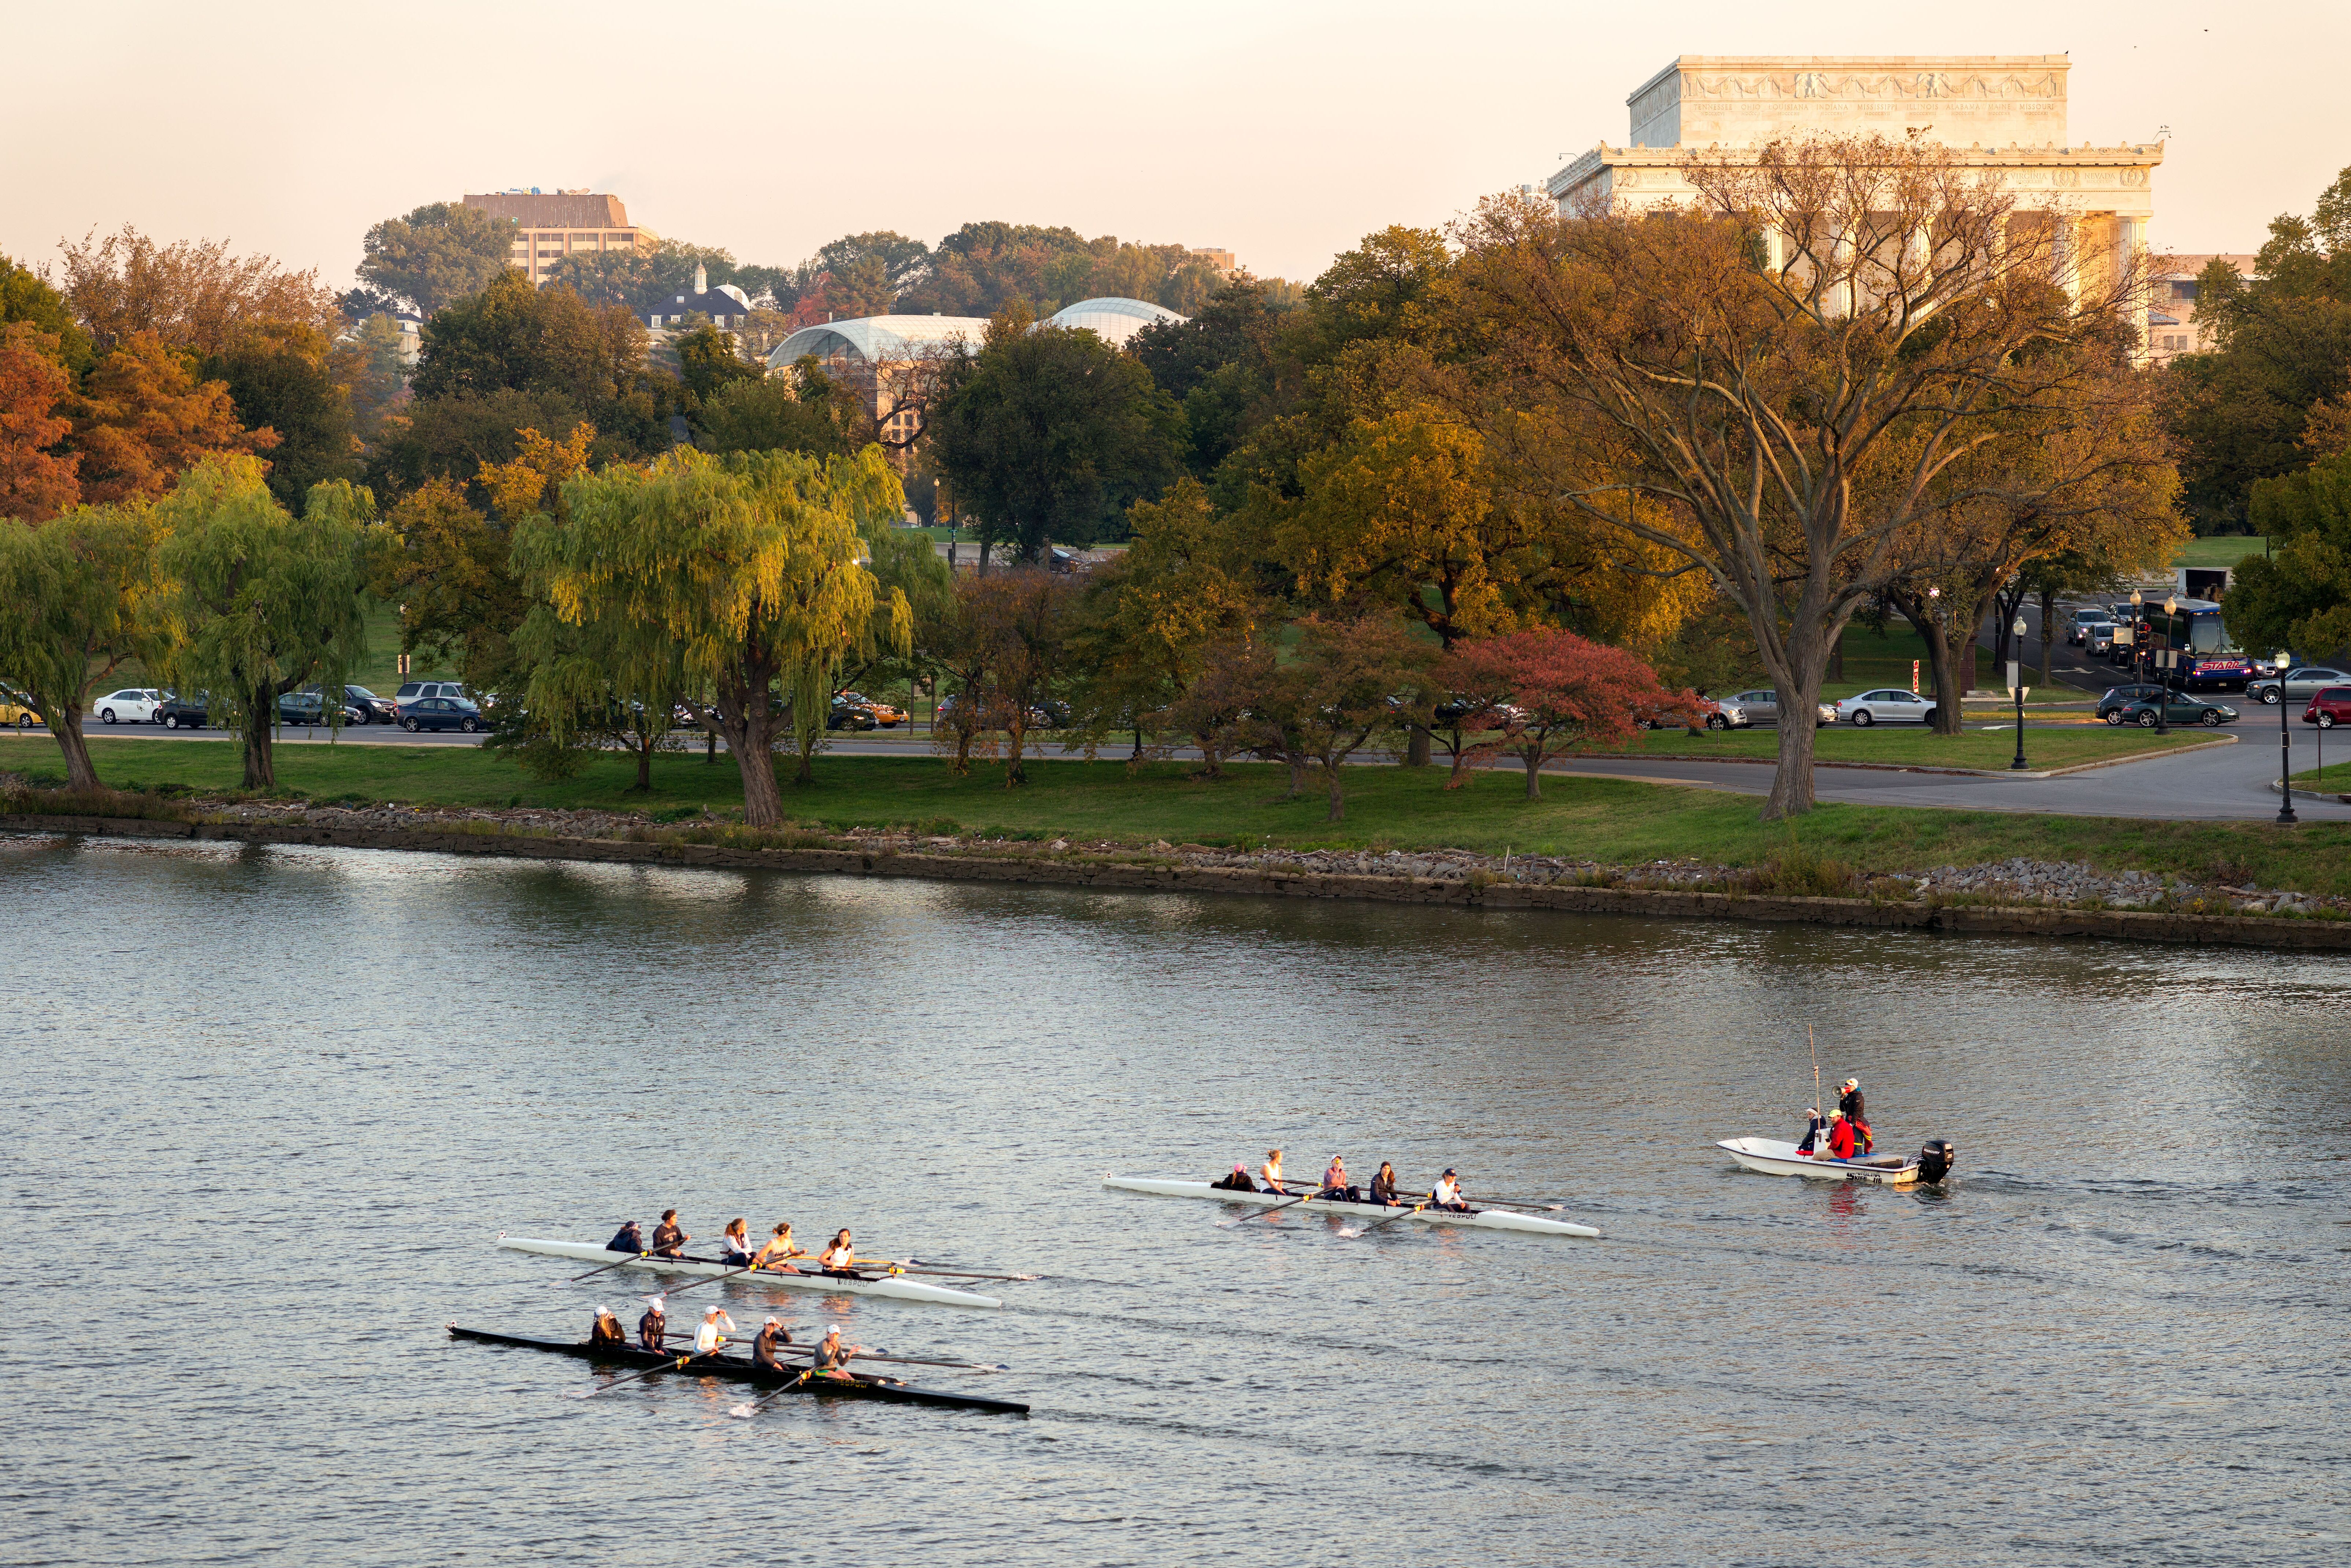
270 1108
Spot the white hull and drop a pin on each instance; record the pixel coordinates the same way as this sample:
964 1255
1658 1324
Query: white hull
1774 1159
1480 1219
898 1287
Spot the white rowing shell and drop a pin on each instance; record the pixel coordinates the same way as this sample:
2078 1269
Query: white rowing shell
1479 1219
1775 1158
898 1287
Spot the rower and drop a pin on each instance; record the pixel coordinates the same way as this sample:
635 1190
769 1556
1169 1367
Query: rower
763 1349
1856 1113
777 1250
735 1244
715 1326
1269 1174
1384 1186
632 1240
1335 1182
830 1357
606 1332
669 1237
653 1327
840 1258
1447 1193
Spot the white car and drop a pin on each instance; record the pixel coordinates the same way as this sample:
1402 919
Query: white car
131 705
1889 704
1762 705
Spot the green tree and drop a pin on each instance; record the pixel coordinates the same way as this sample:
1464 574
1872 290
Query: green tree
1048 435
799 408
257 602
283 378
76 603
541 341
1220 365
370 364
709 363
437 255
2299 595
26 296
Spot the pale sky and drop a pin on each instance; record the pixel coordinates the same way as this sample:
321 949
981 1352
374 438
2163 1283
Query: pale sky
1283 131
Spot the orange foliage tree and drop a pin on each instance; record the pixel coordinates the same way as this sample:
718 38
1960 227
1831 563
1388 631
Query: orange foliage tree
191 294
1549 691
37 481
143 419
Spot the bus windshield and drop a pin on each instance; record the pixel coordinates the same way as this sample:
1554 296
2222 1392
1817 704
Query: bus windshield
2198 630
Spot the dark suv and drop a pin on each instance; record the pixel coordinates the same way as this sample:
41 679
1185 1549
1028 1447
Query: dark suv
176 712
2117 698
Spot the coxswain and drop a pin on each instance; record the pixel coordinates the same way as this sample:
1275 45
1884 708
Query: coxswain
1269 1174
1335 1182
606 1332
840 1258
1384 1186
1839 1136
1447 1193
632 1240
653 1327
1237 1182
669 1238
1856 1114
715 1326
735 1243
830 1357
763 1349
779 1250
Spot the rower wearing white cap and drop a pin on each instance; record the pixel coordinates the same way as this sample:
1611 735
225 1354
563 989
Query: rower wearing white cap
715 1326
763 1349
652 1326
830 1357
606 1332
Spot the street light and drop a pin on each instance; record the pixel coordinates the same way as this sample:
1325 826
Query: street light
2138 634
2285 817
2014 676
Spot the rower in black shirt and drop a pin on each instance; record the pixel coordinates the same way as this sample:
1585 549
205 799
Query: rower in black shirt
632 1238
763 1349
669 1237
653 1327
606 1332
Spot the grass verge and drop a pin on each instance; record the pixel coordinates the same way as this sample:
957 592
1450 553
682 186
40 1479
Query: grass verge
1915 747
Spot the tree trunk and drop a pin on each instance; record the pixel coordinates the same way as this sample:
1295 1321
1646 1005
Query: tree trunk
984 542
1795 660
65 722
2048 620
1791 779
1338 812
1533 756
1298 761
1943 651
260 732
1014 734
744 718
645 744
1416 749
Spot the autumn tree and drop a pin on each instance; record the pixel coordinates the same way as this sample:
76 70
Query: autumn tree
191 294
283 377
441 253
142 417
750 563
38 480
26 296
1345 682
1785 370
256 601
1008 644
1547 692
76 603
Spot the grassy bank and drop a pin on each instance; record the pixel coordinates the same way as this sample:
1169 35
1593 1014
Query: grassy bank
1913 746
1615 822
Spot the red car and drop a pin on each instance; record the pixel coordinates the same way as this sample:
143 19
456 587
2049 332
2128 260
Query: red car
2329 705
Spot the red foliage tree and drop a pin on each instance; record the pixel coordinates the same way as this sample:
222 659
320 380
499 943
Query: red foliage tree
36 482
143 419
1550 691
1346 681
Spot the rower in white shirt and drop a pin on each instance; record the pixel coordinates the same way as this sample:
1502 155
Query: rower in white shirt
1446 1194
715 1326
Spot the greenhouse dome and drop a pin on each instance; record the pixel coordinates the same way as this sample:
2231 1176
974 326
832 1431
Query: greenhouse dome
1112 319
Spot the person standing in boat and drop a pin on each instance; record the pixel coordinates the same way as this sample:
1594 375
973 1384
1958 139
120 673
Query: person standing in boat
840 1258
715 1326
632 1238
1269 1174
779 1250
652 1329
830 1357
735 1243
669 1237
1447 1193
606 1332
772 1333
1856 1114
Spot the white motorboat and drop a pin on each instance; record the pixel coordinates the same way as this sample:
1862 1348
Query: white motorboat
870 1283
1475 1218
1772 1158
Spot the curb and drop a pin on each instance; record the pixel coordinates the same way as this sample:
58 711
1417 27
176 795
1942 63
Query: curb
2274 789
2124 924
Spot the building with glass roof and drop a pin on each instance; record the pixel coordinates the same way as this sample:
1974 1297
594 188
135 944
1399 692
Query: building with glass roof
1114 320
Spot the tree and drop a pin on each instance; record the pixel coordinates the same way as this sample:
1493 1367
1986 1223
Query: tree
282 377
143 418
26 296
36 480
256 601
370 363
750 562
437 255
799 408
540 341
76 602
1048 435
1548 692
1220 366
1014 638
190 294
1787 423
708 362
1345 682
2298 595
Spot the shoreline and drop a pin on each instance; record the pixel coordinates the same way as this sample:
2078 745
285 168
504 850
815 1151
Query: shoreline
1149 872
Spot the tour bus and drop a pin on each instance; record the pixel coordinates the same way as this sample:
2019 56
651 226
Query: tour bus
2209 659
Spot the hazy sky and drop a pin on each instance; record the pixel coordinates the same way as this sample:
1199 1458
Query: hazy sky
1281 131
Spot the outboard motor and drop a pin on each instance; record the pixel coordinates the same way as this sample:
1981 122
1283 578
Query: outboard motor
1936 1160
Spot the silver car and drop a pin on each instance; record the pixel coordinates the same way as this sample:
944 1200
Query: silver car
1763 706
2300 684
1888 704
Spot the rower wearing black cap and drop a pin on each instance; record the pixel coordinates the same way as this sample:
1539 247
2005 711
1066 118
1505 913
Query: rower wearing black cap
1447 1193
632 1238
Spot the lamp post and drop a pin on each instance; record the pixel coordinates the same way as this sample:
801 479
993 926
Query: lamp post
2138 635
2162 660
2285 817
2014 676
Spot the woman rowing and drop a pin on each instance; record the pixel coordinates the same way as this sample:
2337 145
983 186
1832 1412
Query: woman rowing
715 1326
1334 1186
606 1332
830 1357
653 1327
669 1236
840 1258
735 1244
1447 1193
1384 1186
763 1349
778 1250
1269 1174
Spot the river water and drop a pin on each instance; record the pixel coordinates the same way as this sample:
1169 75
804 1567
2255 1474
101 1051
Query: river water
270 1108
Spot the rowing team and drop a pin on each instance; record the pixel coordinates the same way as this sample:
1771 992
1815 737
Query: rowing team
829 1357
1336 1187
735 1250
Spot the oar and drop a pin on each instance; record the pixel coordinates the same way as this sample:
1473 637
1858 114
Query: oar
648 1372
593 1273
875 1356
745 1409
909 1268
1274 1208
1351 1233
706 1280
1514 1202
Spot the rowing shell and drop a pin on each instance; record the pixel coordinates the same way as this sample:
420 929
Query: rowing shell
1775 1158
894 1286
862 1387
1475 1219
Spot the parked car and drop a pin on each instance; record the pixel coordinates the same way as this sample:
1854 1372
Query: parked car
2081 623
417 691
2329 705
1730 713
371 708
131 705
2179 708
16 708
308 708
441 712
2300 683
885 716
1888 704
846 715
2120 697
176 712
1762 705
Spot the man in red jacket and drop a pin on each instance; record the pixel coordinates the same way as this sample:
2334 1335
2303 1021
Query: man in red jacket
1839 1136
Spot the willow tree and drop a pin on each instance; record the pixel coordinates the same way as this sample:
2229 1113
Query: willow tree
751 563
1767 382
257 601
76 603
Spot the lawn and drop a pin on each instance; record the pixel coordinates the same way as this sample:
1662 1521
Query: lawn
1914 746
1615 822
2222 549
